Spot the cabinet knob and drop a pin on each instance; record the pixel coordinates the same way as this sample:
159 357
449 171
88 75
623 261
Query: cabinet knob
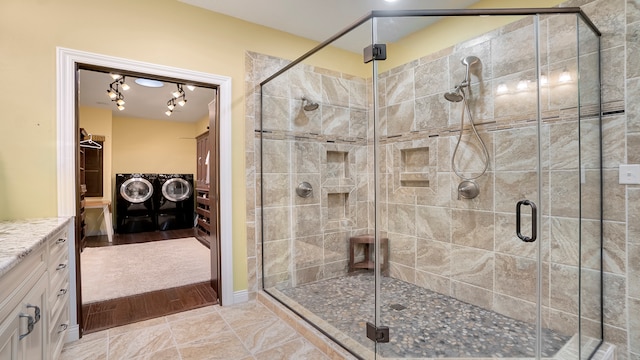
61 241
61 266
62 292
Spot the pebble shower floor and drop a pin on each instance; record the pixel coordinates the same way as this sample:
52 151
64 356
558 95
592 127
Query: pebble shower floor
422 323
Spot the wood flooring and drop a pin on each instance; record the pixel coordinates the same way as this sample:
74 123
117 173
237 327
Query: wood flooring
122 311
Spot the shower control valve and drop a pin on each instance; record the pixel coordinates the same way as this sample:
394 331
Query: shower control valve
468 189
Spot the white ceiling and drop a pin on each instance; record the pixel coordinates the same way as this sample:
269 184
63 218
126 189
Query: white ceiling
319 20
143 102
315 20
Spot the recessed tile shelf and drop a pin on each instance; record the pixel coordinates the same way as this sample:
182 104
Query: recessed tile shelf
414 180
337 164
414 167
337 205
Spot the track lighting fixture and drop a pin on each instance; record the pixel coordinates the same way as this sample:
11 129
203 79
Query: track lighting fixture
178 93
179 97
114 90
171 104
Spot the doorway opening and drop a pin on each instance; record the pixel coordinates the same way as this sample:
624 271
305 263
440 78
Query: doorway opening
69 63
151 262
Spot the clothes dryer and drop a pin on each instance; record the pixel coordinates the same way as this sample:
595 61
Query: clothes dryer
134 203
175 201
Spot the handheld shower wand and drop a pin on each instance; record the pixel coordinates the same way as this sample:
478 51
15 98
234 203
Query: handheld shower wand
468 188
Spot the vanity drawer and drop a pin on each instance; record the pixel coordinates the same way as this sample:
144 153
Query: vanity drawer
58 331
58 266
58 297
59 245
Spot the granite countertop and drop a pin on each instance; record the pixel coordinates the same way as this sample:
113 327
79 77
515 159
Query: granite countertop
18 238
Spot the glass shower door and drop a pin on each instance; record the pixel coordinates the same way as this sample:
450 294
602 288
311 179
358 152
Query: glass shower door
316 190
460 198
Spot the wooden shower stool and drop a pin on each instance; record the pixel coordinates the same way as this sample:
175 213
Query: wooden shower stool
366 240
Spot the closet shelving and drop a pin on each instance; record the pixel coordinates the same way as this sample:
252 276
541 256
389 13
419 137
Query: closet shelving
203 209
82 190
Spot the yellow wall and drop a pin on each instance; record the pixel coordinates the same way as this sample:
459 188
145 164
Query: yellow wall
153 146
164 32
452 30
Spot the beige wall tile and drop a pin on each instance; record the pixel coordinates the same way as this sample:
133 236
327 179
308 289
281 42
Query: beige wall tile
516 277
472 294
564 288
515 308
472 266
634 325
472 228
633 257
402 249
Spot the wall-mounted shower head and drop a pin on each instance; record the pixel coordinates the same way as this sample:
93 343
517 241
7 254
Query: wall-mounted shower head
308 105
455 95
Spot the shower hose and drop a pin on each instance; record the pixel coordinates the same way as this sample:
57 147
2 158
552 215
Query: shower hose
465 108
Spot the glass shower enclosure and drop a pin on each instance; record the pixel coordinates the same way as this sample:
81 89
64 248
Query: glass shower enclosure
418 203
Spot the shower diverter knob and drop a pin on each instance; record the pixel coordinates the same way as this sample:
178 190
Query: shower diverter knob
304 189
468 189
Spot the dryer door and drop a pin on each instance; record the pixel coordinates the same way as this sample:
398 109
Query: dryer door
136 190
177 189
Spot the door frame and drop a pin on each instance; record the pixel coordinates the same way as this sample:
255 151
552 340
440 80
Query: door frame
67 64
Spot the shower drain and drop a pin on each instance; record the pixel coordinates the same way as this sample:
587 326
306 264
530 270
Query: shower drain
397 307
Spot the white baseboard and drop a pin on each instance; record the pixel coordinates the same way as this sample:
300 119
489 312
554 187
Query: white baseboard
73 333
240 297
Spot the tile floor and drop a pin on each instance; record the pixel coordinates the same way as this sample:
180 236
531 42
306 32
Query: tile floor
242 332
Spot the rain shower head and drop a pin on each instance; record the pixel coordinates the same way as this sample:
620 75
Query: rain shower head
309 105
469 60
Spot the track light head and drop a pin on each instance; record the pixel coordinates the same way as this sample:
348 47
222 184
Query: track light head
180 92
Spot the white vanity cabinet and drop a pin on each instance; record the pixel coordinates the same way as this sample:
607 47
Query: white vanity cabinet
34 312
58 297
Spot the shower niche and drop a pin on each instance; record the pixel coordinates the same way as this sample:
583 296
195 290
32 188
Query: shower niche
460 282
415 167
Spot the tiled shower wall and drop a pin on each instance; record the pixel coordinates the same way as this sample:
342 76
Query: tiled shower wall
306 238
449 232
467 248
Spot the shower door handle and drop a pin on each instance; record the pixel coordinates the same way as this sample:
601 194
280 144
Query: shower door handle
534 221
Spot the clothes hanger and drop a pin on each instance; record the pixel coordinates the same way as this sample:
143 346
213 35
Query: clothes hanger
90 143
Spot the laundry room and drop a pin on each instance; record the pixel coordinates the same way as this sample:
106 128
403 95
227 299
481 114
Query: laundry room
142 172
163 145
